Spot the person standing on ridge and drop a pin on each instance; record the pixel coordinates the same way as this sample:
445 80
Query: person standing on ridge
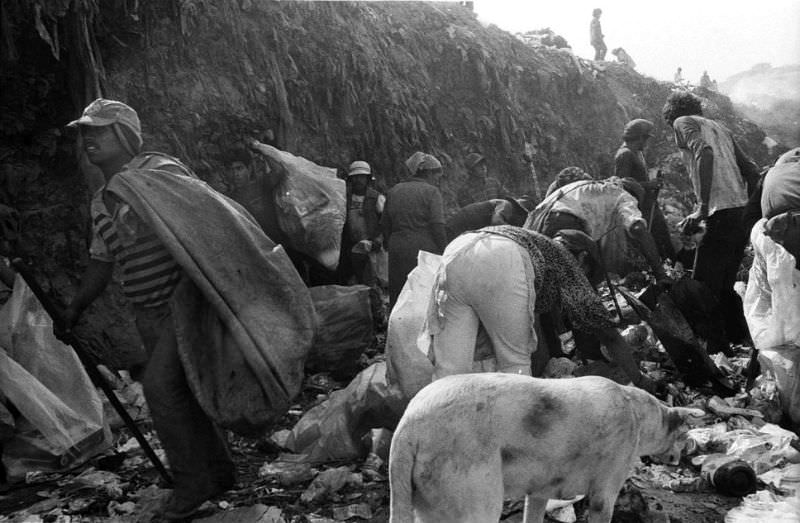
596 36
678 78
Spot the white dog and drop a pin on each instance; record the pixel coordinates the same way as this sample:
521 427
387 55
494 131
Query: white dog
468 441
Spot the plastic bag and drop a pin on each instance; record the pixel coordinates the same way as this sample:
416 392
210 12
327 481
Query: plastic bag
784 363
333 429
344 329
764 506
46 382
772 299
311 205
407 361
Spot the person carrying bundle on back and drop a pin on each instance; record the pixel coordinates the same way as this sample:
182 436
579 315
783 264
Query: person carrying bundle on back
208 289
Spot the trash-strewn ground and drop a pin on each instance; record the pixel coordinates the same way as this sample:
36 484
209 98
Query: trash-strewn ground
275 485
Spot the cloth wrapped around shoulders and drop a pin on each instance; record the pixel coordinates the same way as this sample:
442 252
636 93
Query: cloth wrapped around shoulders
244 319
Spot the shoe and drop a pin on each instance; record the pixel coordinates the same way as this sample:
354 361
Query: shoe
179 509
183 506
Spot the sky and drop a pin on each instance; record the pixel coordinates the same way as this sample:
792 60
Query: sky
722 37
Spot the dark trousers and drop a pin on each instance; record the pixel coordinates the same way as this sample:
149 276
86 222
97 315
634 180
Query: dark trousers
196 448
719 255
600 51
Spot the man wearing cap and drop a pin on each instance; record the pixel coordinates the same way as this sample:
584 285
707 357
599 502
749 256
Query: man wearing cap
479 186
721 174
146 194
362 231
629 162
502 278
596 37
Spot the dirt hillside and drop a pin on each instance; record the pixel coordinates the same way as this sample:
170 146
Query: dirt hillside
330 81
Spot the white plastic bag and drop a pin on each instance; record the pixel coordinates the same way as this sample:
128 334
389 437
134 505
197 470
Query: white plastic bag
47 383
311 205
407 363
784 362
765 506
772 309
772 299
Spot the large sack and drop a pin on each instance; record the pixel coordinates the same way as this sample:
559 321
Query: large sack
46 382
243 318
311 203
332 430
344 329
407 342
772 300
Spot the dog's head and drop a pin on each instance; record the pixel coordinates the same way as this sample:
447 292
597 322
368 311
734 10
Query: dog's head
675 421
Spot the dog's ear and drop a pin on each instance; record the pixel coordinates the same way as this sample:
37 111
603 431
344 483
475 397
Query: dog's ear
681 415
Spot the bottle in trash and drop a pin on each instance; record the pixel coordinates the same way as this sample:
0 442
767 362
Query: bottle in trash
728 475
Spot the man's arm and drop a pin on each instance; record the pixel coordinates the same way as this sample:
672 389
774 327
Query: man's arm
747 167
437 222
689 137
502 213
647 246
752 209
586 312
622 355
94 281
386 224
706 173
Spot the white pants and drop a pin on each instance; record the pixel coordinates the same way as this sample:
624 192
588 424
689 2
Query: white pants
484 280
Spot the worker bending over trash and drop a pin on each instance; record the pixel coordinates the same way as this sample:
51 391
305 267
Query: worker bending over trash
608 211
502 277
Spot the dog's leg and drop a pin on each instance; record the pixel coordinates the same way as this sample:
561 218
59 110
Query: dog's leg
534 510
601 507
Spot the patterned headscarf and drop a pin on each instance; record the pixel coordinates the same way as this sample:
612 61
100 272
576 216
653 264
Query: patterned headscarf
420 161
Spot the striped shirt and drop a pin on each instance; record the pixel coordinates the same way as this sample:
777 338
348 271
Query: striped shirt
149 273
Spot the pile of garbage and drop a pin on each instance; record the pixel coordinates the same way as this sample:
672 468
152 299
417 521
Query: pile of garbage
327 459
735 452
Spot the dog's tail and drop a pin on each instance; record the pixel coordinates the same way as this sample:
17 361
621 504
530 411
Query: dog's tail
401 481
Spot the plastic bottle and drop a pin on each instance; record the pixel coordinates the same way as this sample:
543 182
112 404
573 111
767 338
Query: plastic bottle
729 475
695 484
